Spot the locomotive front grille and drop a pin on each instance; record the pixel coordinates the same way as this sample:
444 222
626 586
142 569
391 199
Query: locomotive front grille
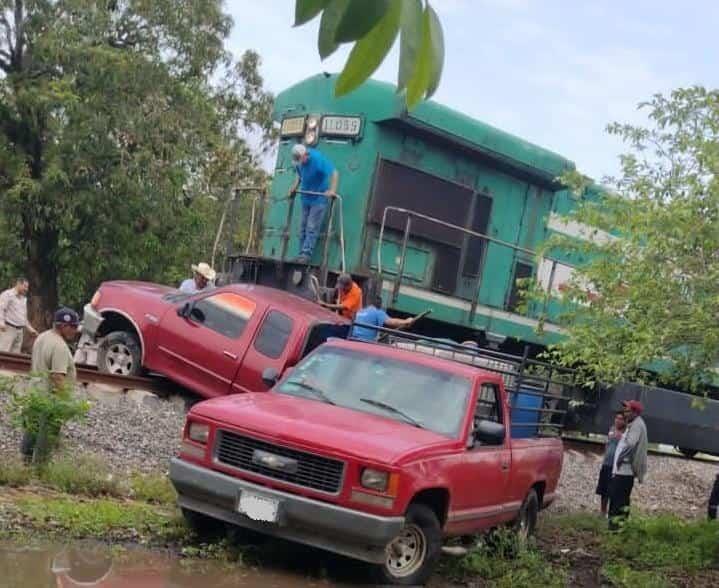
278 462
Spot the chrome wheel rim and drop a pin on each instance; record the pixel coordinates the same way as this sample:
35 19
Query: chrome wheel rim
119 360
406 553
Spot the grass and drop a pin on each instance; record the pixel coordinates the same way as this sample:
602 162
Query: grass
84 475
102 518
14 474
622 576
504 564
153 489
664 542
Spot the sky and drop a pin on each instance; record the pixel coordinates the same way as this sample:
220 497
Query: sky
553 72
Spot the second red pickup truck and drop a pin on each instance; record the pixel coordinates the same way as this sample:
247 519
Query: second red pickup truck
369 451
214 343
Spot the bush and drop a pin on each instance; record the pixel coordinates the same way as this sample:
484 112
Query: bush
42 414
80 475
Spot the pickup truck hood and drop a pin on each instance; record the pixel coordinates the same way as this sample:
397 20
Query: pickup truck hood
317 425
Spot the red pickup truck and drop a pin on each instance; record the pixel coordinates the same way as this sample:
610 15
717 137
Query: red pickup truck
214 343
369 451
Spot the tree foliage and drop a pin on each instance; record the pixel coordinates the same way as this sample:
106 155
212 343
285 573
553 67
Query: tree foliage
121 125
655 286
373 26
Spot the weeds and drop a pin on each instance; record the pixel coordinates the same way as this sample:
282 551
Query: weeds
15 474
84 475
622 576
502 562
665 542
102 518
153 489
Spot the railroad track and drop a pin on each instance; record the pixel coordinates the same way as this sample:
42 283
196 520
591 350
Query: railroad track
89 375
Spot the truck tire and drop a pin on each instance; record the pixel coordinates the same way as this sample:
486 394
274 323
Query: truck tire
413 554
120 353
203 526
686 452
526 523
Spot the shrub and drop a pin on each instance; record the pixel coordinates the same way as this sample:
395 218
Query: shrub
85 475
151 488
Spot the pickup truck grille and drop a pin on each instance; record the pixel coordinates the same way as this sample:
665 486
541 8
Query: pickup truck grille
312 471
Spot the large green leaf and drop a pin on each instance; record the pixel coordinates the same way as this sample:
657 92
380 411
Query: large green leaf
328 27
419 82
429 62
360 18
369 52
410 40
306 10
436 38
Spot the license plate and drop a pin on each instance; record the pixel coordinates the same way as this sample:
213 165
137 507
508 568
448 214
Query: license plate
258 508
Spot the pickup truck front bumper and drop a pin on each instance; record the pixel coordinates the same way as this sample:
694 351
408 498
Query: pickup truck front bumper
312 522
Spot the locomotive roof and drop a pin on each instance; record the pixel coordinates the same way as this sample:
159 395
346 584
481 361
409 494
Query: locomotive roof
380 103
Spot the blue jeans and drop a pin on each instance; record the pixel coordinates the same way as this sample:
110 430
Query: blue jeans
313 215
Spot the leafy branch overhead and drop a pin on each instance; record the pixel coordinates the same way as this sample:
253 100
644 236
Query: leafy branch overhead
373 26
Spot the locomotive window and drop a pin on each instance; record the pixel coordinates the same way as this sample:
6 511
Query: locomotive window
521 271
405 187
475 245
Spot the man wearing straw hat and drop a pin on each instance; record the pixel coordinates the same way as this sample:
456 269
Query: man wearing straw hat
317 182
202 279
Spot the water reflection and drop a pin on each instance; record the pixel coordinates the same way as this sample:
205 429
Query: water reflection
92 565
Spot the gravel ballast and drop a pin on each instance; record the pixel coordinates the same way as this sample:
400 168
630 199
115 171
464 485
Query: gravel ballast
133 435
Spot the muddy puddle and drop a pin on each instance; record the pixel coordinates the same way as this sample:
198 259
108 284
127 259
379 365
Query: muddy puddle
88 564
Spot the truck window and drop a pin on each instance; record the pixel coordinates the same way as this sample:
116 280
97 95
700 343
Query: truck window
273 335
488 408
407 392
226 313
323 331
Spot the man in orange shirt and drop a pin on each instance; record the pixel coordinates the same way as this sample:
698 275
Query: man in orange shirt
350 297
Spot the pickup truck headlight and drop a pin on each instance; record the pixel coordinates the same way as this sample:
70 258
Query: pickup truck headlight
198 432
374 479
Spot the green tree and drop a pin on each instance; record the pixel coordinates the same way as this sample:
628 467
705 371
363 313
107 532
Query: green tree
373 26
649 297
121 125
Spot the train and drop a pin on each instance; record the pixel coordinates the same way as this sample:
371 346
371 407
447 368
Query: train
437 210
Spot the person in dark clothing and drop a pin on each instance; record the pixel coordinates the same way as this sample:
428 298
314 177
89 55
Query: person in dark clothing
605 473
714 500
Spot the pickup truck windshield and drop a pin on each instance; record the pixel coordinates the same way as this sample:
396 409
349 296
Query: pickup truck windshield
402 391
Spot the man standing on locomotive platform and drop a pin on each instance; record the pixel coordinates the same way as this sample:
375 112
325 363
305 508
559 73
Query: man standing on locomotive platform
630 462
317 182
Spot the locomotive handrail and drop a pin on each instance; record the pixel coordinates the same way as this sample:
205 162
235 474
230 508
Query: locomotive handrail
337 197
413 214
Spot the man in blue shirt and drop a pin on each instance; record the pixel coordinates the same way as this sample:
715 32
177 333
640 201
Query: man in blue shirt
317 182
374 316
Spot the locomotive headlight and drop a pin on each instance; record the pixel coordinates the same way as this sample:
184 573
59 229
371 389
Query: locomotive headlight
312 123
310 137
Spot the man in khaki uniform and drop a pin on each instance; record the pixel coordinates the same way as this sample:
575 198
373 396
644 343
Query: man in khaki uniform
13 317
52 356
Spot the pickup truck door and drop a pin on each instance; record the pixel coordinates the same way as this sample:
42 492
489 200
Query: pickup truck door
483 480
273 346
204 350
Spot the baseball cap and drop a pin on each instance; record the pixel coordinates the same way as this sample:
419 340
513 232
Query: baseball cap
298 151
66 316
634 406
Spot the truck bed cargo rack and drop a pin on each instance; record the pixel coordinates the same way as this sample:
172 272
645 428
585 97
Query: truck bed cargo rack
534 387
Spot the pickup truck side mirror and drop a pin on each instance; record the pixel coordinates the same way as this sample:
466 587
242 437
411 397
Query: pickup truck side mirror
489 432
270 376
184 310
